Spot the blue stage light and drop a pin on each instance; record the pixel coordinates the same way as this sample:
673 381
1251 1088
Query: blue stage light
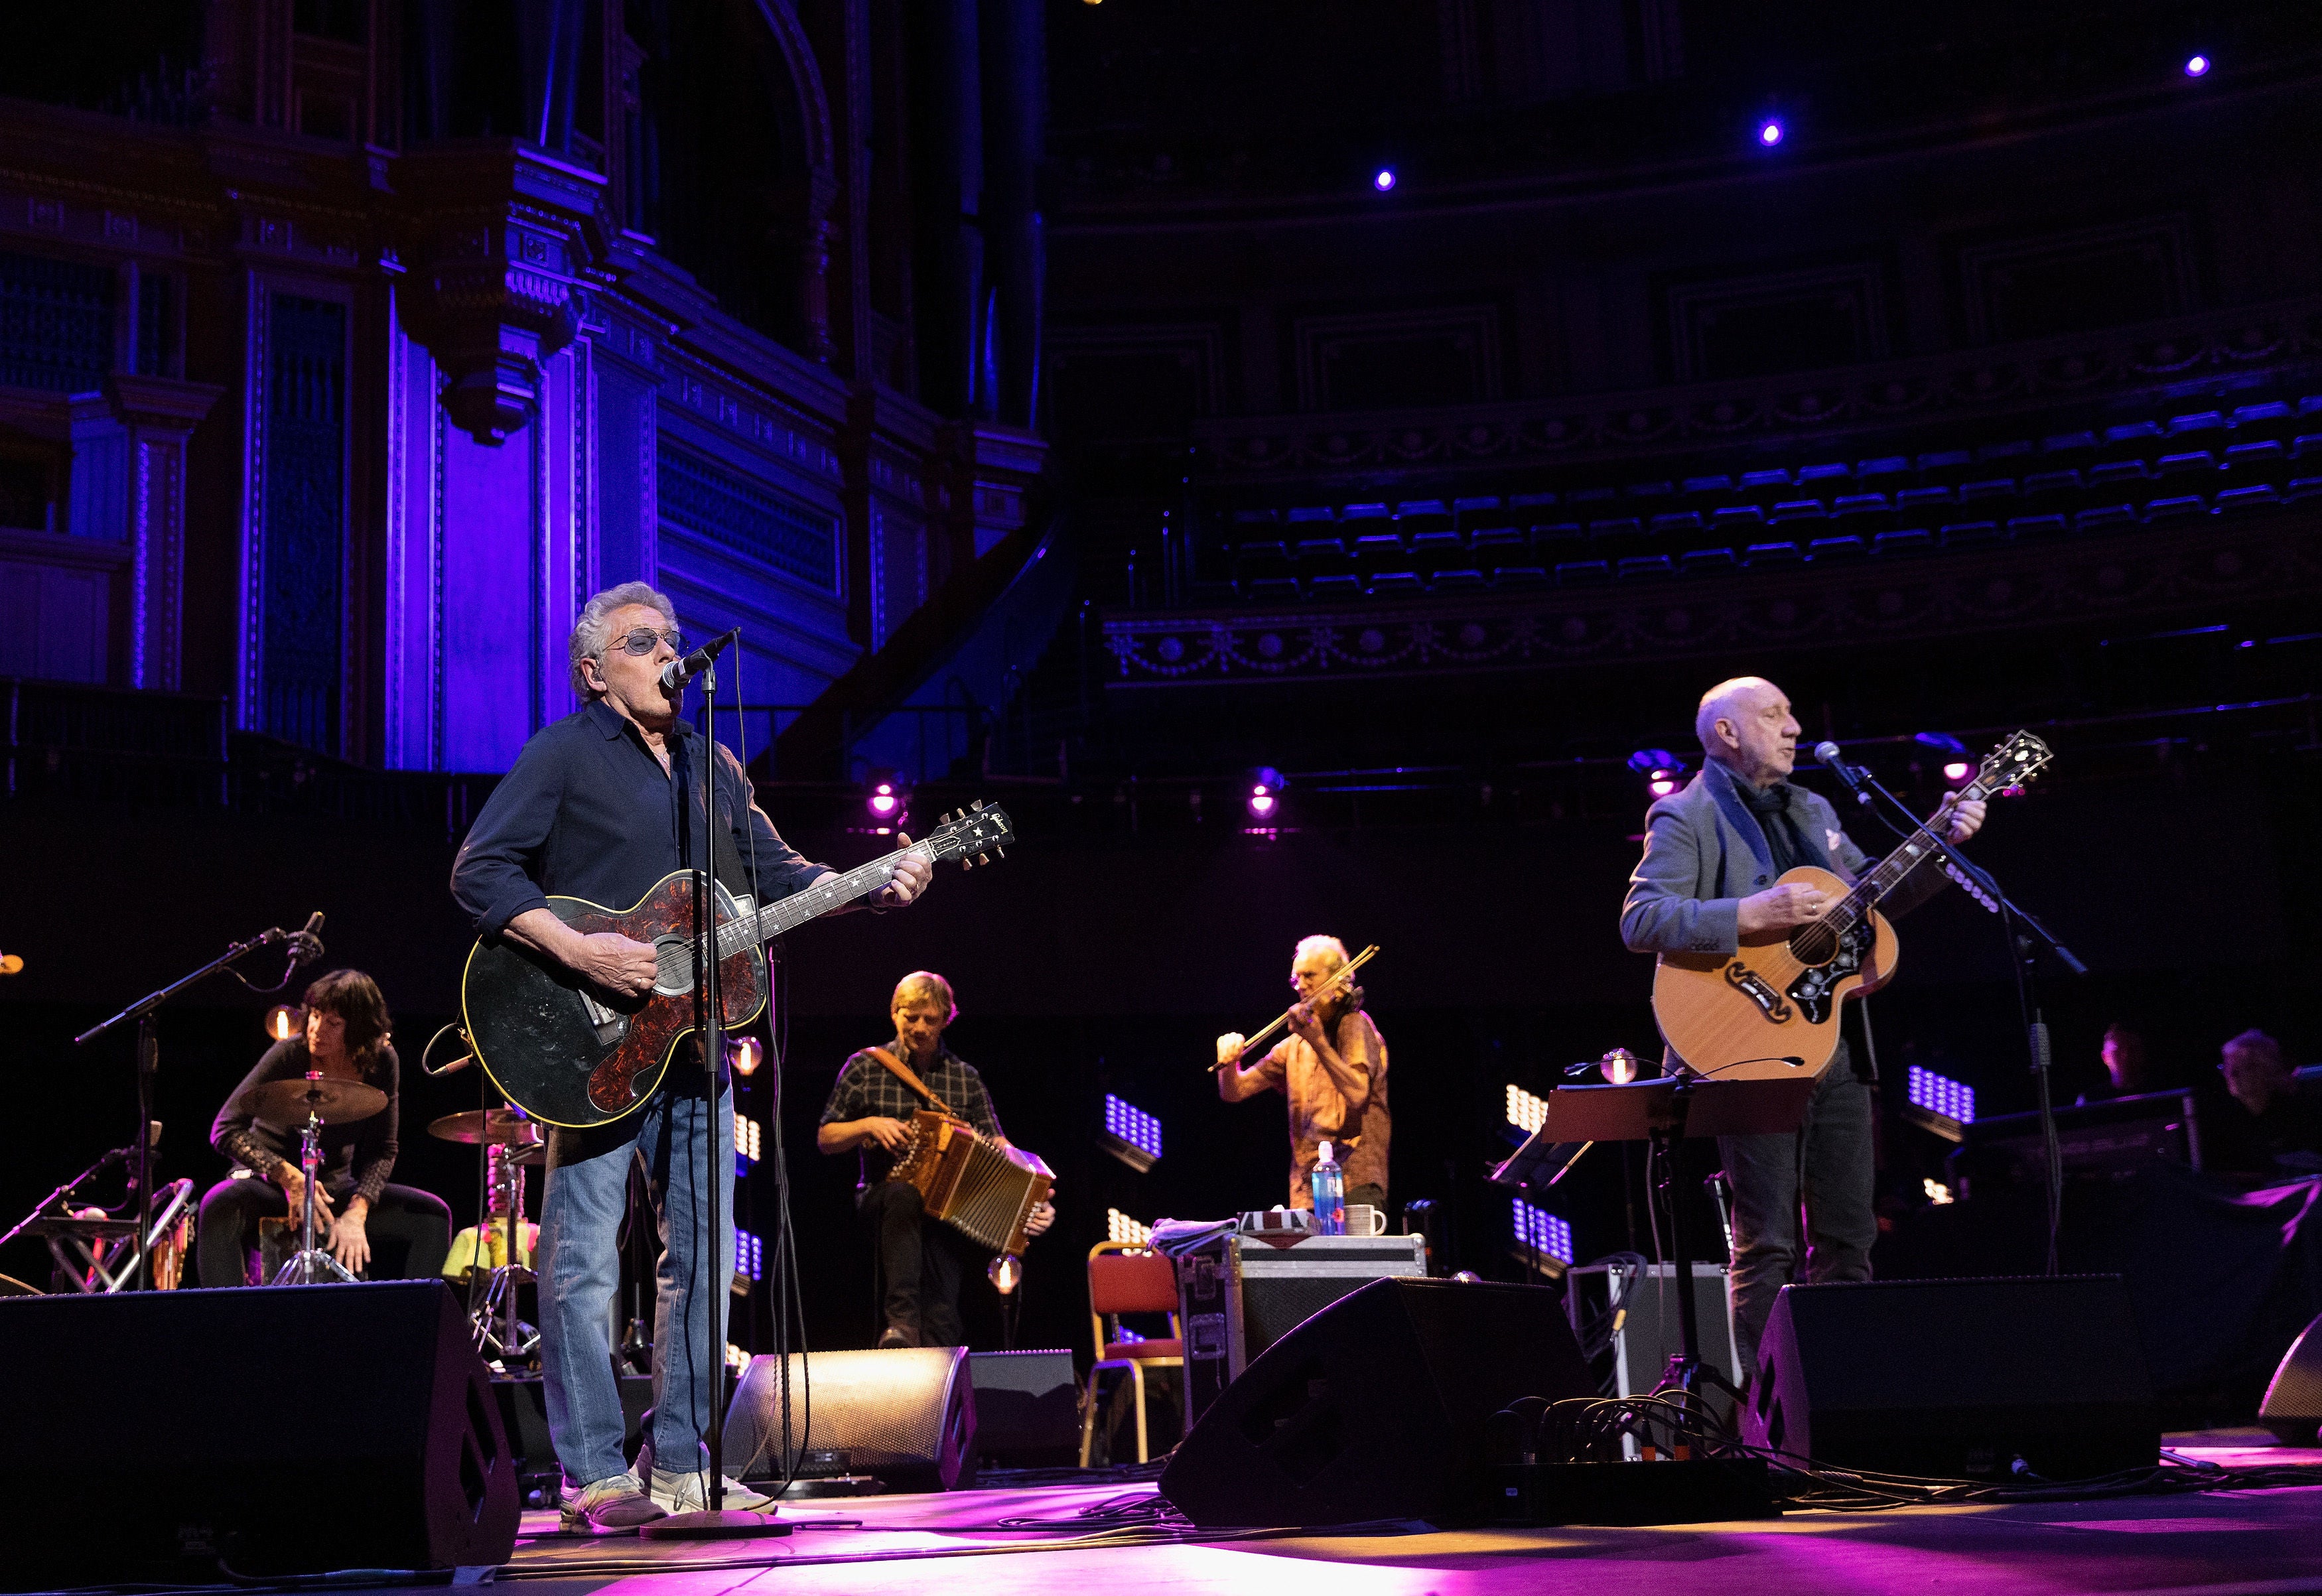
1940 1094
1384 181
1132 1125
749 1255
1542 1232
1770 133
2197 66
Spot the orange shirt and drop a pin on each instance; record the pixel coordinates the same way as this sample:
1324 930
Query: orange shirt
1319 1112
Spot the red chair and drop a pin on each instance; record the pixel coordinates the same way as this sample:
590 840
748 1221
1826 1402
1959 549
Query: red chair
1124 1277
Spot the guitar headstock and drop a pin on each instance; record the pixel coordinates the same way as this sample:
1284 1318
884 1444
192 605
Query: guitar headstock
971 836
2010 765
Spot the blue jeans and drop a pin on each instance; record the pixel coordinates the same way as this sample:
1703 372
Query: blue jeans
581 1271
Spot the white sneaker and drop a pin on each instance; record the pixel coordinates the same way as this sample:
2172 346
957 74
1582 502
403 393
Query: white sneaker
688 1494
613 1506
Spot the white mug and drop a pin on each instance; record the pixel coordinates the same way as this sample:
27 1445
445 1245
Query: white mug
1364 1219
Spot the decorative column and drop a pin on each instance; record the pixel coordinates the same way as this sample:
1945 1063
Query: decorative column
129 485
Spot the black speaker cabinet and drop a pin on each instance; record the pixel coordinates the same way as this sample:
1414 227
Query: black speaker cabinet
1375 1406
905 1415
1027 1409
2292 1408
172 1434
1957 1378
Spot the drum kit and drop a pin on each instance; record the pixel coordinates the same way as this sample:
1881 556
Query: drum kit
323 1101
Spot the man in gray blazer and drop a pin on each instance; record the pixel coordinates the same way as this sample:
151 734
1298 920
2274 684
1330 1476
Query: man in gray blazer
1714 854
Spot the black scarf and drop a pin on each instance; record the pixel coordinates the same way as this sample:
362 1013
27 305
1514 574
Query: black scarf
1771 806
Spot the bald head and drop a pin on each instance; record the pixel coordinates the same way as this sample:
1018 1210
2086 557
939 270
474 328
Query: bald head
1745 723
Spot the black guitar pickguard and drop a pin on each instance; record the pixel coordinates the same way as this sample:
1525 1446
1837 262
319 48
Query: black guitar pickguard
1813 990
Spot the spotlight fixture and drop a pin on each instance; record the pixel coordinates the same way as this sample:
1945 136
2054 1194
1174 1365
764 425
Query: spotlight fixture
1662 770
2197 66
1526 1110
1938 1104
1265 799
1957 766
887 800
282 1022
1130 1134
1118 1227
1770 133
1543 1236
1957 771
1383 181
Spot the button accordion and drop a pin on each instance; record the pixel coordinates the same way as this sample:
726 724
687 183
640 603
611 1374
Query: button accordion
982 1192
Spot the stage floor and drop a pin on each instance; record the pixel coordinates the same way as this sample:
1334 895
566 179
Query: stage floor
2226 1542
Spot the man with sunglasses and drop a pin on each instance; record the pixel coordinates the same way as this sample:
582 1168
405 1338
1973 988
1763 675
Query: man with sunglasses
600 806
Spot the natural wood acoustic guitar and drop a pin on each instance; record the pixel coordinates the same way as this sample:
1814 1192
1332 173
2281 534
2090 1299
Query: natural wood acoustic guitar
1770 1010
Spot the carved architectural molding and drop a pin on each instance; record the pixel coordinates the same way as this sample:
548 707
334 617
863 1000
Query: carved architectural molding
1942 596
506 242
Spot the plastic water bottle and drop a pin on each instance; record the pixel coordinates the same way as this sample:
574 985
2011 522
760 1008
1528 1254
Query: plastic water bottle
1330 1186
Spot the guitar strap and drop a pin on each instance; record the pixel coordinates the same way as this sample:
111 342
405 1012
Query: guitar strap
902 1073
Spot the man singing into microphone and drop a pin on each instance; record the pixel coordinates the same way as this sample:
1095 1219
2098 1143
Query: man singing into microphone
600 806
1714 854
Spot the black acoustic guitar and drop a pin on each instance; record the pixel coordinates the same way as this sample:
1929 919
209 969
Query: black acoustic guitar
569 1053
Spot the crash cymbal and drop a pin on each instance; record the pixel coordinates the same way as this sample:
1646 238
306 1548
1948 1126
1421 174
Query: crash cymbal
332 1100
502 1126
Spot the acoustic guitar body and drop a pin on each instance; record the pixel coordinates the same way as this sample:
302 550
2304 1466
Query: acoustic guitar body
1770 1009
568 1053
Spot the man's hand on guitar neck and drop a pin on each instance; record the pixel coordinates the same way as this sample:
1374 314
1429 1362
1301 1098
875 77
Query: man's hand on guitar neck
618 963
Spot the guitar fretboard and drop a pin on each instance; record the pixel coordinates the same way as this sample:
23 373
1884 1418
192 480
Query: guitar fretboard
1887 875
787 914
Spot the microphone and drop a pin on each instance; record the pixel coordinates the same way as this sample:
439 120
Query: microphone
1828 753
678 672
307 942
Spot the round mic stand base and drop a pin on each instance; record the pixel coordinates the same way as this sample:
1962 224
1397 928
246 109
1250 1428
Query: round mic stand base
728 1524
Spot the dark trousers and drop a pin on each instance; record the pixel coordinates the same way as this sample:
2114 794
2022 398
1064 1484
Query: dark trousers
1828 1166
920 1262
410 1231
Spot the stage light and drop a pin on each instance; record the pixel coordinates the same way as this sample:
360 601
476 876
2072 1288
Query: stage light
747 1143
1130 1134
1265 785
1957 772
283 1022
1118 1227
1526 1112
1006 1272
2197 66
1620 1066
749 1256
1539 1231
1384 181
1663 771
1937 1192
1770 133
884 802
1261 804
745 1055
1941 1095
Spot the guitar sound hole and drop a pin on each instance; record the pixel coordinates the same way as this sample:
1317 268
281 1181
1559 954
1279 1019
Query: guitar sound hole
1813 945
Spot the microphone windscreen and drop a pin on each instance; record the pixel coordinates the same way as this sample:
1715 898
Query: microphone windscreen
1828 753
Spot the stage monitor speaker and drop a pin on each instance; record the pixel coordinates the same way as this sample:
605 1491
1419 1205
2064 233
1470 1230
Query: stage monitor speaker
904 1415
1957 1379
1027 1409
1375 1406
197 1435
2292 1408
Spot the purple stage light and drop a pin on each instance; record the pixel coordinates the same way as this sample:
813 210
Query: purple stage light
1957 771
2197 66
1261 803
883 801
1384 181
749 1255
1542 1232
1940 1094
1770 133
1132 1125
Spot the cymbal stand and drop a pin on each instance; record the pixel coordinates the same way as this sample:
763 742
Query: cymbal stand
302 1268
500 1333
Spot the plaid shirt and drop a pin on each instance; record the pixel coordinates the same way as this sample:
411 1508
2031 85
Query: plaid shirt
867 1086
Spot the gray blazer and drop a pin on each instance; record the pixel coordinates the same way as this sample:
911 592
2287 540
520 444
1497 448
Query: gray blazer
1705 851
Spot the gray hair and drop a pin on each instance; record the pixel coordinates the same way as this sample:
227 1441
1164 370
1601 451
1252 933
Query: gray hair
592 634
1331 945
1716 705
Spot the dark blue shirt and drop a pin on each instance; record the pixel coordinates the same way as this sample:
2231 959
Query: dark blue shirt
589 813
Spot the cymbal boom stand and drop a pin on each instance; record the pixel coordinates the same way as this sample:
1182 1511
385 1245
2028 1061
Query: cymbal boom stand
301 1270
499 1332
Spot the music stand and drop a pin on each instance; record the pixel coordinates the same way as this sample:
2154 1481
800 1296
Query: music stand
1668 1111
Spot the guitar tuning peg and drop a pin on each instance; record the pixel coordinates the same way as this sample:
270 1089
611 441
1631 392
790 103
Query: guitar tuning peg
1001 851
984 859
977 804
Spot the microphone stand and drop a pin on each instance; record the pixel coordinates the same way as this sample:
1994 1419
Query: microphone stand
149 1063
2025 937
